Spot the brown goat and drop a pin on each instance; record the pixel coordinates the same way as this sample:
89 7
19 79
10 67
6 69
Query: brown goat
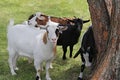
62 21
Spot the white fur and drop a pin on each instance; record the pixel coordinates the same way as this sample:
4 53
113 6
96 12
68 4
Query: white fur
26 41
86 57
32 22
25 23
81 74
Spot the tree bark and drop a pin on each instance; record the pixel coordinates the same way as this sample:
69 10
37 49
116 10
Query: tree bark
105 16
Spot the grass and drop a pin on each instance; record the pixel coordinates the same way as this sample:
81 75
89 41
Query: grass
20 11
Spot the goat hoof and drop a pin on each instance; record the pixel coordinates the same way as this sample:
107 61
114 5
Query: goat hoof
48 79
79 78
38 78
64 58
16 68
14 74
29 61
51 67
70 56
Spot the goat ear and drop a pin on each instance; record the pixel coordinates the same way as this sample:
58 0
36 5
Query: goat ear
85 21
71 22
31 16
45 38
63 28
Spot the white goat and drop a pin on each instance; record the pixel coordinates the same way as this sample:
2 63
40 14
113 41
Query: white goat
33 43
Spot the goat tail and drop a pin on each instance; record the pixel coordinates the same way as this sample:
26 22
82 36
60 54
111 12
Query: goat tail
11 23
78 52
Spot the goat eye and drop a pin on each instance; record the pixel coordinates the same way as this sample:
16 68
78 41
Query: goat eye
47 31
57 32
72 23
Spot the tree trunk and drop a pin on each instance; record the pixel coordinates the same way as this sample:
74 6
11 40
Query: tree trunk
105 15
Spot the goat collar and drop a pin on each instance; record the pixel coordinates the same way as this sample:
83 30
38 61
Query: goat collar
43 28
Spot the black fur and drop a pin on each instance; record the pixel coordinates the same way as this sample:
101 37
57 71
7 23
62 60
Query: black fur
87 46
79 78
37 77
70 36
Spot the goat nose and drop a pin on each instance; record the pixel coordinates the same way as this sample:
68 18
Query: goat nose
54 39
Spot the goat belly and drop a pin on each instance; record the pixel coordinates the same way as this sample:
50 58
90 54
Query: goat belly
43 51
68 38
22 39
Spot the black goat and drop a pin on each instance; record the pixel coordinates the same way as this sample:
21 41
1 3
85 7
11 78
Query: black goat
70 36
87 51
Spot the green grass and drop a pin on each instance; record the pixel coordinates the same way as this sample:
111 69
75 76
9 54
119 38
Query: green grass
20 11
